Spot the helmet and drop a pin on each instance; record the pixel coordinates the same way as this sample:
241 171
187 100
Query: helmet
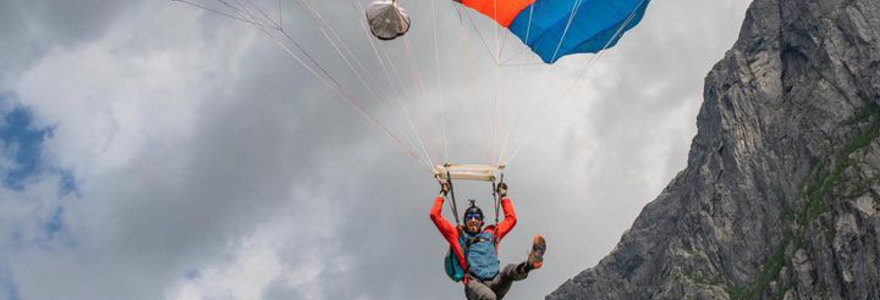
473 210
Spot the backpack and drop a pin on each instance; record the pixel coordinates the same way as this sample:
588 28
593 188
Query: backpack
450 263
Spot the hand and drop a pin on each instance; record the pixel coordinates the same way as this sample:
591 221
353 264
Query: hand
501 190
444 188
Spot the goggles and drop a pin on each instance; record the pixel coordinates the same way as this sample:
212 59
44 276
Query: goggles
479 217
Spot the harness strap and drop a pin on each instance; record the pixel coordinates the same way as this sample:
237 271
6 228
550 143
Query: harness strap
452 194
497 209
475 239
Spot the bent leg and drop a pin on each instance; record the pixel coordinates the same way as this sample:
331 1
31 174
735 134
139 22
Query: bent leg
512 272
515 272
476 290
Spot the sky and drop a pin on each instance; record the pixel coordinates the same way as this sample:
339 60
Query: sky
155 150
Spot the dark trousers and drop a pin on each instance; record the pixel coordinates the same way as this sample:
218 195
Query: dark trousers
497 287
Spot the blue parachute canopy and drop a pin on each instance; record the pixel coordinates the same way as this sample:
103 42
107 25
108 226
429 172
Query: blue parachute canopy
555 28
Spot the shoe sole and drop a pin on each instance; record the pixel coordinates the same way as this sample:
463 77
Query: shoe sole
536 257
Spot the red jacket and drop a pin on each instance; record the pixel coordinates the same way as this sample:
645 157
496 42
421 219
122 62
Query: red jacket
451 234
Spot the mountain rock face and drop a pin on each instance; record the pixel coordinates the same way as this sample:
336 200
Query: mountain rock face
781 195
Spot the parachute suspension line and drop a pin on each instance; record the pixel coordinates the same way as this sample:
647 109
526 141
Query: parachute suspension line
316 16
409 118
452 194
394 70
485 136
469 53
529 25
327 78
322 23
495 105
574 10
242 12
414 69
238 9
505 36
245 10
480 35
439 79
561 98
350 66
320 17
497 205
519 112
385 66
494 113
526 42
406 88
358 7
484 111
495 201
497 83
500 32
524 49
497 29
260 10
495 116
512 124
358 105
507 64
228 15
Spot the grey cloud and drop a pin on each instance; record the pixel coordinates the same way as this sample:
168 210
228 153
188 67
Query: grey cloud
270 128
30 29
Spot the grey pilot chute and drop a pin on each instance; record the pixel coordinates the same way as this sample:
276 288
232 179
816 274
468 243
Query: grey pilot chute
387 19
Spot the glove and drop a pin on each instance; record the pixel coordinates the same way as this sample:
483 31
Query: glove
444 188
501 190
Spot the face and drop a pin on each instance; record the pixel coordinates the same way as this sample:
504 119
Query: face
473 224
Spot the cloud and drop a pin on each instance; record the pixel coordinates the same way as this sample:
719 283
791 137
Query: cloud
33 28
208 164
32 192
7 286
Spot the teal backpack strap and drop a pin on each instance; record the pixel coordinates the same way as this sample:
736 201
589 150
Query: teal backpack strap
453 269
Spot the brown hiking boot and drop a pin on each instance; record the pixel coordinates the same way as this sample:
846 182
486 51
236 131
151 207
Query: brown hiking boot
536 256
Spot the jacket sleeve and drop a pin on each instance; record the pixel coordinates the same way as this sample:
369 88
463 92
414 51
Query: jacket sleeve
449 232
509 221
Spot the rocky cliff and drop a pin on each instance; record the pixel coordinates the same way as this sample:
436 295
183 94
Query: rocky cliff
781 193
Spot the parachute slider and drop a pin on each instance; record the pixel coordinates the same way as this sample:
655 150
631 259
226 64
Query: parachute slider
387 20
467 172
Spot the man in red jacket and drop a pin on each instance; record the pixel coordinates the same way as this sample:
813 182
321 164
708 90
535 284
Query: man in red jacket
476 249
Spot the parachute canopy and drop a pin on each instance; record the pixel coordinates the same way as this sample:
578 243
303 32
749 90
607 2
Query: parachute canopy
387 19
555 28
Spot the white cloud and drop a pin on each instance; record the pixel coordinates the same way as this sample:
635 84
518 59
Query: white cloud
124 94
285 253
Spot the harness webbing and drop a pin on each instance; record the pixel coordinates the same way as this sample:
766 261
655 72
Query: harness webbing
452 195
495 199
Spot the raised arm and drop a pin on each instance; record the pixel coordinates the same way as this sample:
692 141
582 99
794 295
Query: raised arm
449 232
509 221
509 214
446 228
